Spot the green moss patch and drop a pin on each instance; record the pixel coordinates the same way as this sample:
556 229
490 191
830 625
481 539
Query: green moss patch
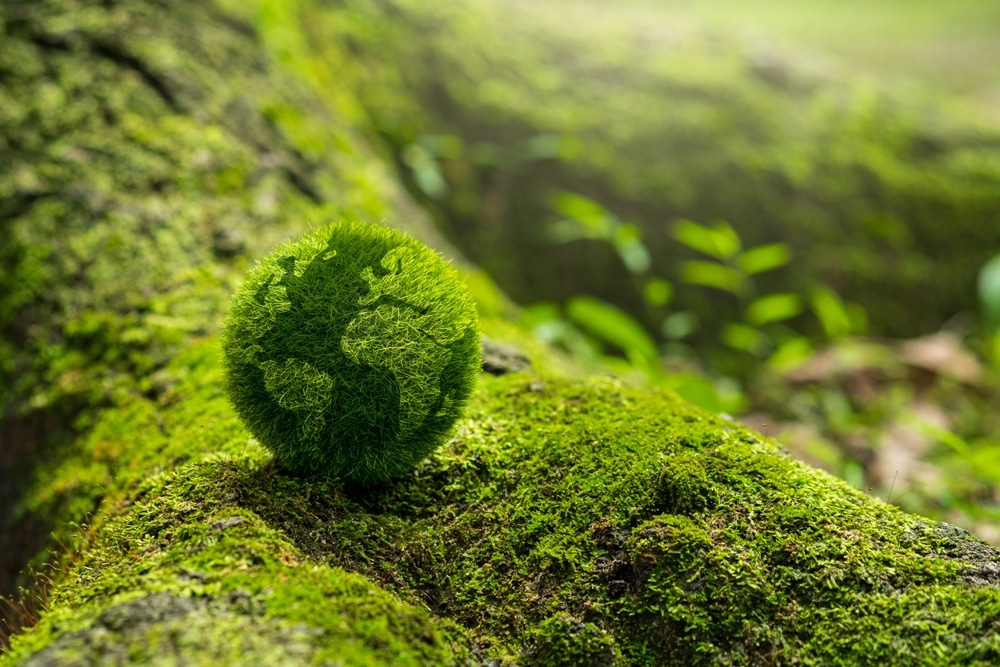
351 352
150 152
566 522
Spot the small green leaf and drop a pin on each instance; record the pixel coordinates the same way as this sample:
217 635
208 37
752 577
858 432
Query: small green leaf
540 313
790 354
983 460
764 258
547 323
635 257
989 292
726 240
719 242
425 170
714 275
614 327
578 207
744 338
658 292
720 395
696 389
679 325
833 315
567 230
696 237
586 219
853 473
628 243
774 308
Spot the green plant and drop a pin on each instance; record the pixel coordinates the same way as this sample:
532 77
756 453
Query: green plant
590 324
762 328
726 265
351 352
586 219
731 268
759 333
989 303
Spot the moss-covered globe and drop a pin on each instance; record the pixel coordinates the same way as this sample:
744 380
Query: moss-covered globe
351 352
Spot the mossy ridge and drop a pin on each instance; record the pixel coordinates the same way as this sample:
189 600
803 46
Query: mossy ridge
220 576
170 525
657 121
101 114
565 518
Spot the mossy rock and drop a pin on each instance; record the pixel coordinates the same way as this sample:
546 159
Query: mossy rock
566 522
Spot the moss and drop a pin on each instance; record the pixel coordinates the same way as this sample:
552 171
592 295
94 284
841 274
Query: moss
171 530
151 152
564 640
224 589
567 522
351 351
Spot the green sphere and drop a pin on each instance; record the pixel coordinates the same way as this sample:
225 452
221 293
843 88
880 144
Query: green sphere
351 352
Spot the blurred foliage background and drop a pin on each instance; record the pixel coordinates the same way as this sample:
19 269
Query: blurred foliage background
787 212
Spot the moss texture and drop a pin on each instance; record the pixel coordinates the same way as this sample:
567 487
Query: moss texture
150 152
884 192
568 521
351 351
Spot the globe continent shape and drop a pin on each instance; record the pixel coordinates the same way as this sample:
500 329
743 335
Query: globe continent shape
351 352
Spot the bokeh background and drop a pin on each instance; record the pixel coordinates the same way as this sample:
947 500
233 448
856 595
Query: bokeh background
784 211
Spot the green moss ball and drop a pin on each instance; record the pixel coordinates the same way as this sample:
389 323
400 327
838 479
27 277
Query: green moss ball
351 352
